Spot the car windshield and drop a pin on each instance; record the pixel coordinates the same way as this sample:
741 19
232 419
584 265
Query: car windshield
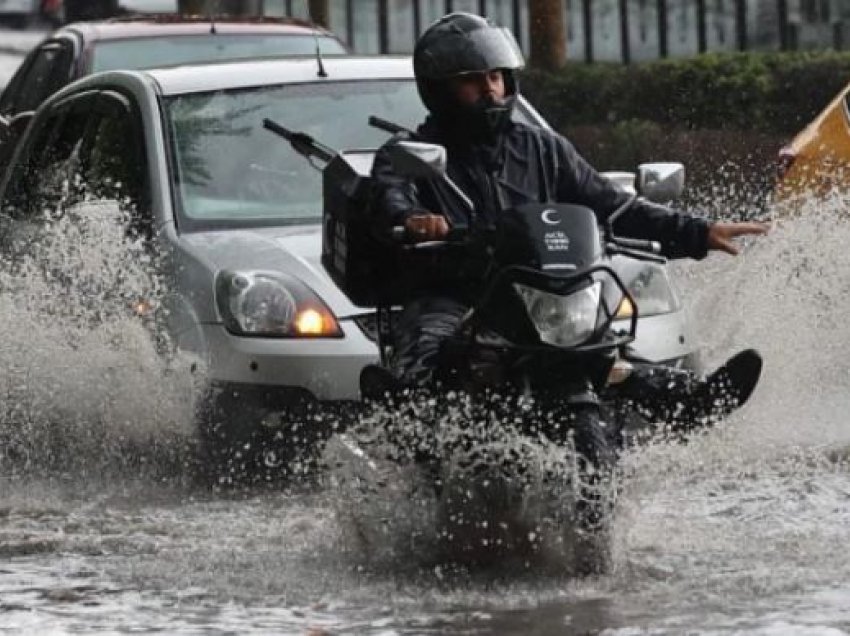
231 172
152 52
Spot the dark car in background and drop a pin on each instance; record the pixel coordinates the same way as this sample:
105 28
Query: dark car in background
22 13
142 42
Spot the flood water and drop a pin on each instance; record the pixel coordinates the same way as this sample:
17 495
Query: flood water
105 527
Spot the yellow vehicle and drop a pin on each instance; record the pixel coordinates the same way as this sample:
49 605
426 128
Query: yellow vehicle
817 161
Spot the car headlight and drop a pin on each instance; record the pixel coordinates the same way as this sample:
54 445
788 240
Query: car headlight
650 287
562 321
270 304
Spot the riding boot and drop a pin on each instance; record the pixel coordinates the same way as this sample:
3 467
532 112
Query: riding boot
687 402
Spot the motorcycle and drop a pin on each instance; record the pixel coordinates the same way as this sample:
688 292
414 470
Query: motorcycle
536 352
541 333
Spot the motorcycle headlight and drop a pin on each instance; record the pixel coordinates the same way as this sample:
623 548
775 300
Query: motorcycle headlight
270 304
562 321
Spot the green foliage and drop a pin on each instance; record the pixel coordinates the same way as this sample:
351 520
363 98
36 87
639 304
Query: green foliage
767 92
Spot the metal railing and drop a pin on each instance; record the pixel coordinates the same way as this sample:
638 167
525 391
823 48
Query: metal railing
624 30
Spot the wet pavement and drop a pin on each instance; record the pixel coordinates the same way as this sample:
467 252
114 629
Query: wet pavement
105 528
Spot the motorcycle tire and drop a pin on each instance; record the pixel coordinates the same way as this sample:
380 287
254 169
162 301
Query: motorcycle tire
597 460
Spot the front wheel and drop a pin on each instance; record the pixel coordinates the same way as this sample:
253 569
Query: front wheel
596 457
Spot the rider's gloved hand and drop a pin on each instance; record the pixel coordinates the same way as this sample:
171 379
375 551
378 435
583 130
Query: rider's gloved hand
426 227
720 235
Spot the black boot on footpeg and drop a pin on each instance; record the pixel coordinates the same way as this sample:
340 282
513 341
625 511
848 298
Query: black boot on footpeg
721 392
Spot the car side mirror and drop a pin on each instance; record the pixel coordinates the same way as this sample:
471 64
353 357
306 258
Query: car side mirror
418 160
661 182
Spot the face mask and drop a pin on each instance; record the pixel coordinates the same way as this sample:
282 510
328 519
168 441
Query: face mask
481 122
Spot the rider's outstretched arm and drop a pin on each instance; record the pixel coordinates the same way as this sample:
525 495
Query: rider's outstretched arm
680 234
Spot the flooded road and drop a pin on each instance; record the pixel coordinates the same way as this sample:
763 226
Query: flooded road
105 526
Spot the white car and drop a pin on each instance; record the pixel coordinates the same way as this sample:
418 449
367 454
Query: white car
237 215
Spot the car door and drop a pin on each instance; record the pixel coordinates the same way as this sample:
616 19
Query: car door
75 208
45 70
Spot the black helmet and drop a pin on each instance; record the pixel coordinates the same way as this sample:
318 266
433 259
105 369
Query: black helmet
462 43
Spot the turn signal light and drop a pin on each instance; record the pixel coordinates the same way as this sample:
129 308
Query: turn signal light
626 308
311 322
142 307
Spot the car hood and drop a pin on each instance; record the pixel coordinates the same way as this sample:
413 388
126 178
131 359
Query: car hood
295 251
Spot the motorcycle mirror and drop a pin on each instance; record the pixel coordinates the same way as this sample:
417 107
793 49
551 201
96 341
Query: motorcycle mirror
661 182
418 160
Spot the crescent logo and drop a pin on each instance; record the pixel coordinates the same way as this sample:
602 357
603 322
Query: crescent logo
550 217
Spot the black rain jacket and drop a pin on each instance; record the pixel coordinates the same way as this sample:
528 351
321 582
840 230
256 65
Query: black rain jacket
525 164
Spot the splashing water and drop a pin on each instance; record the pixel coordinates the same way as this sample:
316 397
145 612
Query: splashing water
750 515
458 481
740 530
84 384
741 527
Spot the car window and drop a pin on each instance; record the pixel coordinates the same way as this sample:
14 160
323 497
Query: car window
43 176
113 169
90 151
116 167
151 52
229 170
47 73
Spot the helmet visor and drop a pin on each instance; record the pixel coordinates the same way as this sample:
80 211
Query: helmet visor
474 52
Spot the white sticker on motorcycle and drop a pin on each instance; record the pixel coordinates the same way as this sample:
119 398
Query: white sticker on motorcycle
557 241
550 216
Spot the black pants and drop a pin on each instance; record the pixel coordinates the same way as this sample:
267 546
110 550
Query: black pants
659 391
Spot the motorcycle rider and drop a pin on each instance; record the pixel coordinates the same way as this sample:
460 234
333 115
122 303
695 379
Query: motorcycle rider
465 69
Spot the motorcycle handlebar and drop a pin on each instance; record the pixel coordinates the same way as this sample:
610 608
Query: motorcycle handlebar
639 255
388 126
301 142
399 234
653 247
635 248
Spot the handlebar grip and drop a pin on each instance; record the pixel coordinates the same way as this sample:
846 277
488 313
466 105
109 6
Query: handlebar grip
388 126
653 247
276 128
399 234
